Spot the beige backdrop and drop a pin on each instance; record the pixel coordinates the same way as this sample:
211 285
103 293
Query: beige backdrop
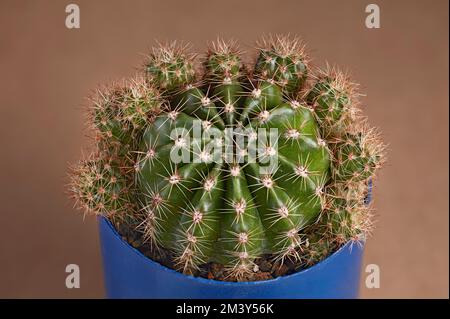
47 70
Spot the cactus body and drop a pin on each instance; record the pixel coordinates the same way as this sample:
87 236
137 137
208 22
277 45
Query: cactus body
284 62
101 188
236 164
230 212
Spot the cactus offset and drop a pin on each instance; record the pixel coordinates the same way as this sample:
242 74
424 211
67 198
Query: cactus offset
215 196
98 187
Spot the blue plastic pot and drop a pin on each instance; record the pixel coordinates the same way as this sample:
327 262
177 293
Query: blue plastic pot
130 274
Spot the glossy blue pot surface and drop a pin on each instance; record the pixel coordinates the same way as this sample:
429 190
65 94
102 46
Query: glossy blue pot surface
130 274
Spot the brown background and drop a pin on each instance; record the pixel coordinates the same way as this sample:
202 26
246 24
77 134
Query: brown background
46 71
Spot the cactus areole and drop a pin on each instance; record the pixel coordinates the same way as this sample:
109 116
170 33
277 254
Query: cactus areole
235 163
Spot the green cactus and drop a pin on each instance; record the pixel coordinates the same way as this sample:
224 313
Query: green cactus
99 187
283 61
236 164
225 73
119 114
169 67
358 155
345 217
123 109
335 102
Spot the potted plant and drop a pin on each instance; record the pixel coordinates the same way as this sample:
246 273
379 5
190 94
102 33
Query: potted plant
233 181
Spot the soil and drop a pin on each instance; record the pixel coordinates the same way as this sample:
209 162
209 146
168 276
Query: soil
265 267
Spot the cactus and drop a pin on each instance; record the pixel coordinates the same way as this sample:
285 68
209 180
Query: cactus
182 156
99 187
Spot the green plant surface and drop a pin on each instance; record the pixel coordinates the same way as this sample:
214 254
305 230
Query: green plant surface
230 205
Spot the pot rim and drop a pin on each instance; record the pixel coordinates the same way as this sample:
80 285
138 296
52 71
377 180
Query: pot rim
206 281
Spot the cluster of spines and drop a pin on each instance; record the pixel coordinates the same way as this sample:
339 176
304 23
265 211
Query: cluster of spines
170 67
357 152
225 72
120 112
103 183
100 188
357 155
345 217
356 149
283 60
125 107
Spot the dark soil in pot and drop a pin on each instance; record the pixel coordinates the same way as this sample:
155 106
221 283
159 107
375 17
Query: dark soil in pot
265 267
